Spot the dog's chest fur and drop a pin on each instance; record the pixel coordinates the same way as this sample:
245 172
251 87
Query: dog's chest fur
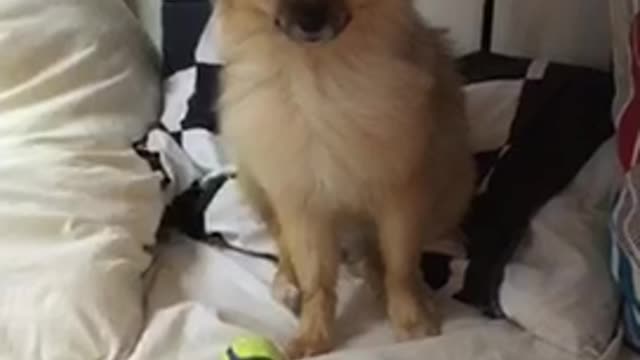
332 125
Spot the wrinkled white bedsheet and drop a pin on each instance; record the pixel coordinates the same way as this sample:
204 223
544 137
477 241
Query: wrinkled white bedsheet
200 298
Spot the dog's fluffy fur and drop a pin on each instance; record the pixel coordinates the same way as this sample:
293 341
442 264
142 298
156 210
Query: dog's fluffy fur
367 129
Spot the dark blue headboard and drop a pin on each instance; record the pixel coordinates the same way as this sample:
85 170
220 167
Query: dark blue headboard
182 21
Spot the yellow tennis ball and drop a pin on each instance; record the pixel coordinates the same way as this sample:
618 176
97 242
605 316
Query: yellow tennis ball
252 348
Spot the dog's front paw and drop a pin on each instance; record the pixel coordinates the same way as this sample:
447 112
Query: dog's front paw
412 319
303 347
418 329
286 292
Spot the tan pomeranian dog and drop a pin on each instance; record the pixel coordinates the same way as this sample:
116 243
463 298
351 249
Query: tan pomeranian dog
344 114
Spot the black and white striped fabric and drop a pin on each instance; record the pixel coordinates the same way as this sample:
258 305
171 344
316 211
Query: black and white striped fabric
534 125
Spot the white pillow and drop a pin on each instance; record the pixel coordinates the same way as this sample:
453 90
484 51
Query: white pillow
148 11
77 205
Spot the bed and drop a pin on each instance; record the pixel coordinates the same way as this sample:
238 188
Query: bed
86 274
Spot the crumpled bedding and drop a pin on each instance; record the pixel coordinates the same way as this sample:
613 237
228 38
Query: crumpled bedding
562 259
79 209
201 297
77 205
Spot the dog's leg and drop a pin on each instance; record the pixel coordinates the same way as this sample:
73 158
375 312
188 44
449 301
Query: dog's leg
285 286
314 256
258 200
401 225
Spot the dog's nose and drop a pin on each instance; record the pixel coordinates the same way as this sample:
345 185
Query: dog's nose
312 19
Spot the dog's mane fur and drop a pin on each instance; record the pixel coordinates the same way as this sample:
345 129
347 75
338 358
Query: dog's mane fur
362 127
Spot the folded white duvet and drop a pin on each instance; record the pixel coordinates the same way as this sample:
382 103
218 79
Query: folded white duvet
76 203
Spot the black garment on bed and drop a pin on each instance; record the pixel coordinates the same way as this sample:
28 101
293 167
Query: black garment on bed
561 120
